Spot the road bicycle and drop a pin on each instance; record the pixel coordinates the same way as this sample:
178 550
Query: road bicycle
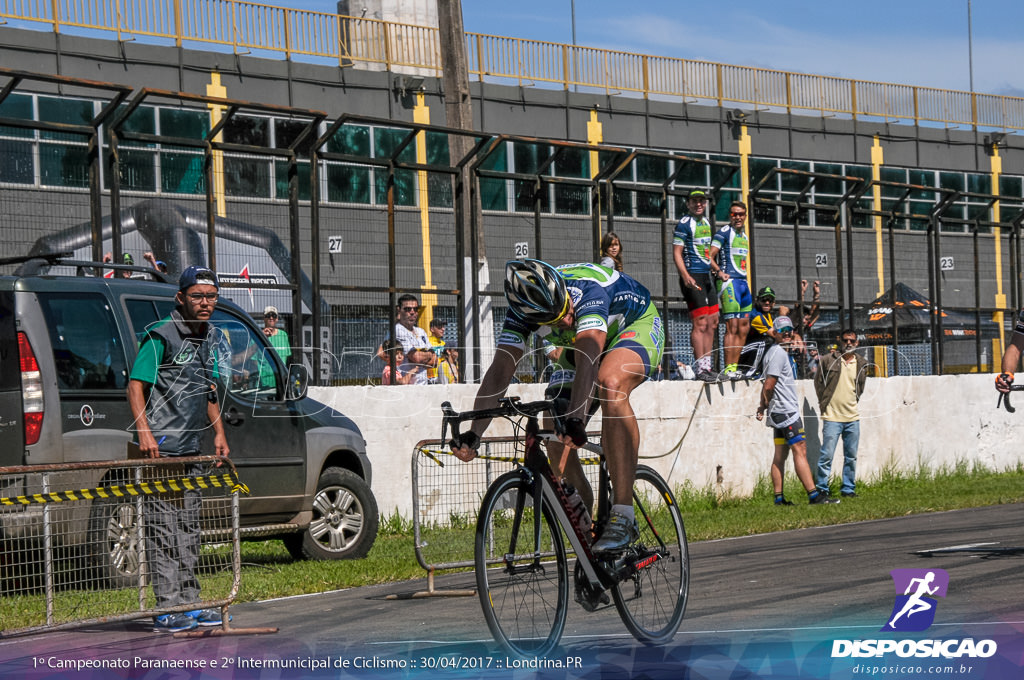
522 560
1004 398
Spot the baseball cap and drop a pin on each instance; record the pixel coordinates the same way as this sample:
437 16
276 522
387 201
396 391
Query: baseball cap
437 323
697 193
128 259
767 291
270 309
782 323
197 275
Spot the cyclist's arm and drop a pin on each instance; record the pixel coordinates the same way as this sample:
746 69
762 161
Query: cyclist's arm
677 255
492 389
1011 360
589 345
767 392
716 270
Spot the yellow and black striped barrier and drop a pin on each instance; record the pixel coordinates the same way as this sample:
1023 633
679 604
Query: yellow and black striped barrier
165 486
433 454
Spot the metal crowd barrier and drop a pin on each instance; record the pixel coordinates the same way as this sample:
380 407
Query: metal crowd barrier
446 497
73 548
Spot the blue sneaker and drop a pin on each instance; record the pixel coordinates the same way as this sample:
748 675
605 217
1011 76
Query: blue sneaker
206 617
173 623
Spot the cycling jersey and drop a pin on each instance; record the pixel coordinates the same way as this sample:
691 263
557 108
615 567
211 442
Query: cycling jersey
695 238
733 251
605 300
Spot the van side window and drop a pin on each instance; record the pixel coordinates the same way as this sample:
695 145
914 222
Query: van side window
87 349
251 372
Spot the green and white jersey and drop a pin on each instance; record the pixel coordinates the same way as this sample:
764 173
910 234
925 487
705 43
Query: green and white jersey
733 251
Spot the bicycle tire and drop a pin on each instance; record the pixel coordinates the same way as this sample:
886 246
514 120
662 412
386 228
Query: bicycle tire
652 601
526 609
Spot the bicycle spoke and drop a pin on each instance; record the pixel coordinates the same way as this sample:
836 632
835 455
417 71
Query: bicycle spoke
522 581
652 600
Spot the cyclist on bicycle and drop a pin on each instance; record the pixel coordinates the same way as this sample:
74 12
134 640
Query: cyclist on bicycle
614 339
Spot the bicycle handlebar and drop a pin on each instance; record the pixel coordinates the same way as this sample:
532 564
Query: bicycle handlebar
1004 398
507 407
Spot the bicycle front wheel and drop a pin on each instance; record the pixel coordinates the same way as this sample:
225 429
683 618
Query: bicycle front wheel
652 600
521 570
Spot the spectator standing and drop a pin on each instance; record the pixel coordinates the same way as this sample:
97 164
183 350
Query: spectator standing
414 340
839 384
780 408
173 399
691 242
759 334
446 371
278 337
729 253
611 251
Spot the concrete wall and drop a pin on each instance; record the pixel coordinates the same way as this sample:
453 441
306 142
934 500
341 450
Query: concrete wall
691 433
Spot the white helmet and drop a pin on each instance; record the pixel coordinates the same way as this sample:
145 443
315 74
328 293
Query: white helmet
535 291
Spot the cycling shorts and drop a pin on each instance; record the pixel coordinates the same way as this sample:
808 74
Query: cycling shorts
700 302
793 433
645 336
735 299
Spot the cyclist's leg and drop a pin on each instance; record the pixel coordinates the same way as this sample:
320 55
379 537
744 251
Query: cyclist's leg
631 357
621 371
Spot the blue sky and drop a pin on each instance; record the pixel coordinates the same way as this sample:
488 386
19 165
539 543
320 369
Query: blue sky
917 42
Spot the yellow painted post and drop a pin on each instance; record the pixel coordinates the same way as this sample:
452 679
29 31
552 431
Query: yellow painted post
215 89
745 147
595 135
421 115
877 160
1000 302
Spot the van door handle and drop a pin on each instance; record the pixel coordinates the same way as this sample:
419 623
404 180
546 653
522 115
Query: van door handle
233 416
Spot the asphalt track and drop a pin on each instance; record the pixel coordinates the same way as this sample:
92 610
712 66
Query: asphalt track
767 606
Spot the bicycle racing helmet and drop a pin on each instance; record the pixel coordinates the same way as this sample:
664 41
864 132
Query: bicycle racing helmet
535 291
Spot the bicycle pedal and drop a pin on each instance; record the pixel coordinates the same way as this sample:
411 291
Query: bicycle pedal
591 600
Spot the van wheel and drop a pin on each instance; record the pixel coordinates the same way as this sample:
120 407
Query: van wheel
345 519
114 551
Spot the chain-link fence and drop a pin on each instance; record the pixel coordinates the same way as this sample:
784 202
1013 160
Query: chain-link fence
330 218
113 540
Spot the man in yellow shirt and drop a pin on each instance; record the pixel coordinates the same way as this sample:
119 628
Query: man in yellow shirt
839 384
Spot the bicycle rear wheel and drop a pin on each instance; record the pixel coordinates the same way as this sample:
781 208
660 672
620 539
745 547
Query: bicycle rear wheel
523 583
652 600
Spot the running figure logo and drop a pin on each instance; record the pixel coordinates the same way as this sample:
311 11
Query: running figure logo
914 609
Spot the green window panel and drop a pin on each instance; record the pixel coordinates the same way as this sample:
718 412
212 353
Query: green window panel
69 111
142 120
440 186
1011 187
18 166
184 123
17 106
348 184
572 199
249 130
650 169
494 191
64 165
137 170
648 204
952 180
979 184
828 186
182 173
246 176
281 180
385 142
350 139
794 182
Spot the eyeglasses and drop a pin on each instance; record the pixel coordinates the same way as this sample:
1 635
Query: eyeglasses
270 316
765 299
410 309
738 214
850 341
199 297
785 331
